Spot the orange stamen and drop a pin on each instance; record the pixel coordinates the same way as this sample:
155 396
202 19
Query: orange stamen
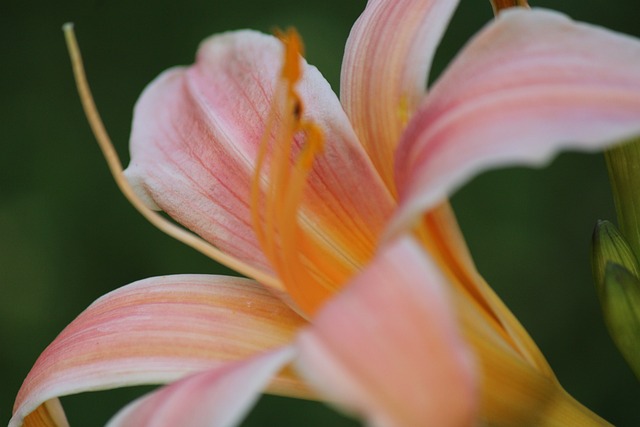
276 209
292 68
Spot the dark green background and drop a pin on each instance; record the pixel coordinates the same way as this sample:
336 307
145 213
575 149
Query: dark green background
67 235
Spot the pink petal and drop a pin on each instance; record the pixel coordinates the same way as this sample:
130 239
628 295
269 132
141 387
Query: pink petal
530 84
219 397
388 347
156 331
385 67
195 139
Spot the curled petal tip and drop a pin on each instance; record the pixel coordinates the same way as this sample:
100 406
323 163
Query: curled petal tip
136 181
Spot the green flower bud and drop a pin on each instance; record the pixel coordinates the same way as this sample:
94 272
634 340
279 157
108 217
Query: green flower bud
608 246
623 163
620 301
616 272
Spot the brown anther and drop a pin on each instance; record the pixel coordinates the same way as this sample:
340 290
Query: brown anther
297 110
499 5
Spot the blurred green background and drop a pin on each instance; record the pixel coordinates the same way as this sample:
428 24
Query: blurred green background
67 236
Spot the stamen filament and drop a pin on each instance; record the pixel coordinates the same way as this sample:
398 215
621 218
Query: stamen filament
281 236
115 167
265 239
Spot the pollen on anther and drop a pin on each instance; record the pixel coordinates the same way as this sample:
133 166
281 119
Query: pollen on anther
292 67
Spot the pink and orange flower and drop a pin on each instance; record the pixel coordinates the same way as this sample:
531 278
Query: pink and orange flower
362 292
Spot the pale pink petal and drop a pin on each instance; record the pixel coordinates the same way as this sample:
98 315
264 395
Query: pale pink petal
385 67
530 84
388 348
156 331
214 398
196 135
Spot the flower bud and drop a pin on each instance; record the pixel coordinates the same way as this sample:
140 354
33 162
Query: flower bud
623 164
608 246
620 302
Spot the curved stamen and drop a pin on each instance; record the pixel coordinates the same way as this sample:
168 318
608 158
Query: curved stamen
276 218
115 166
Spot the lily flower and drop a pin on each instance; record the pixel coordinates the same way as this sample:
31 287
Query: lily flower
363 293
